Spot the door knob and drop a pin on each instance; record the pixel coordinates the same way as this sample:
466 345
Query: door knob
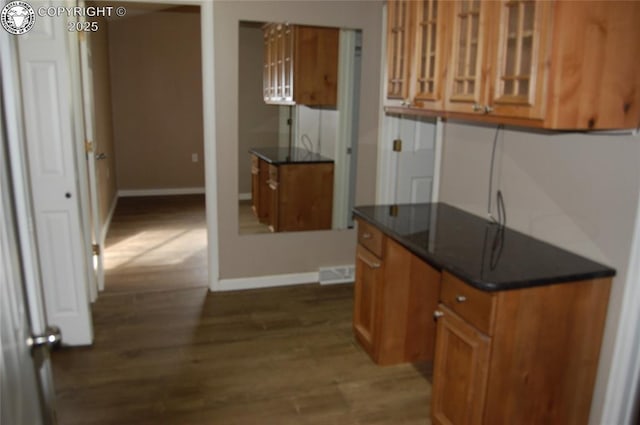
50 338
101 155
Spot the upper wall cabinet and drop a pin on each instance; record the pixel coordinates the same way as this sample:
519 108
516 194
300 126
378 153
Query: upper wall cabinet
556 65
300 65
417 51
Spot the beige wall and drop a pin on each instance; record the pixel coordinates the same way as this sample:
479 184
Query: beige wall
105 169
256 255
574 190
156 84
258 122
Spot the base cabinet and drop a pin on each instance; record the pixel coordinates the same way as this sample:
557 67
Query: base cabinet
292 197
524 356
367 287
394 297
460 371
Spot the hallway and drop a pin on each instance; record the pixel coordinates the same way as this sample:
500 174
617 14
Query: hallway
157 243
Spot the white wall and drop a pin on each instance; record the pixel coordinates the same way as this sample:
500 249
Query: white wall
578 191
320 126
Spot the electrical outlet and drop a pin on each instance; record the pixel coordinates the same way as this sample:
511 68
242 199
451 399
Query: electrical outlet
194 157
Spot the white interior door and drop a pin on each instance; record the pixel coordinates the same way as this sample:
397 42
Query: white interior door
92 144
46 79
26 388
415 161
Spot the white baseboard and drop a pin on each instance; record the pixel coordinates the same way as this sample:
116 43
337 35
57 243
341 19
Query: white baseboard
162 192
244 196
107 222
264 281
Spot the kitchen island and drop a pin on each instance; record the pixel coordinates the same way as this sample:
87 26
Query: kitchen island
512 324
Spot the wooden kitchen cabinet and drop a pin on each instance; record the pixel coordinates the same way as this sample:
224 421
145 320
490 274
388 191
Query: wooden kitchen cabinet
300 197
300 65
417 52
399 48
556 65
366 294
260 198
519 356
395 294
461 368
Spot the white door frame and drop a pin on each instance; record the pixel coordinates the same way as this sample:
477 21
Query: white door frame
86 75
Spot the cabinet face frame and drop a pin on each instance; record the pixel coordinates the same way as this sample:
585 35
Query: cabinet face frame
463 351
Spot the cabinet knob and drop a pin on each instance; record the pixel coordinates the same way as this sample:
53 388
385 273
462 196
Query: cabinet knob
488 109
461 298
437 314
477 107
366 235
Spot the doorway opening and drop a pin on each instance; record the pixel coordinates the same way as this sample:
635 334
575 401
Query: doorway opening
149 147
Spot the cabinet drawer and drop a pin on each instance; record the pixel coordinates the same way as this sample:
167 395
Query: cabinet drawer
370 238
475 306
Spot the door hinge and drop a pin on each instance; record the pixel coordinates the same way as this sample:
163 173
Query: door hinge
88 146
95 249
397 145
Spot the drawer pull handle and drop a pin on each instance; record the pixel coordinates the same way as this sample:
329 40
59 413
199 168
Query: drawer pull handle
461 298
366 235
437 314
371 264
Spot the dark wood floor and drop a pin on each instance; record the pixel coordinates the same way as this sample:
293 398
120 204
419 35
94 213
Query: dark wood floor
157 243
270 356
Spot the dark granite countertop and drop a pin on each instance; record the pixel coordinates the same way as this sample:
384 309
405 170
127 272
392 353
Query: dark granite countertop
280 156
485 255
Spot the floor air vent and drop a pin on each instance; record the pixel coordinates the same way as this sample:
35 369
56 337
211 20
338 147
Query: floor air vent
331 275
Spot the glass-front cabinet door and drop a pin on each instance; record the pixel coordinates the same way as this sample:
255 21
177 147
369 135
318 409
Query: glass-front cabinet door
399 48
286 70
466 86
521 57
431 52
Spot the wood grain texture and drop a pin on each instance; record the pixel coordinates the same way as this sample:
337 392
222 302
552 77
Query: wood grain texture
595 68
477 307
270 356
545 353
460 372
315 70
157 243
264 197
305 197
366 305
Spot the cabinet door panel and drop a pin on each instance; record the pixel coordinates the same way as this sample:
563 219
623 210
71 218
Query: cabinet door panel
399 39
520 61
465 85
460 372
431 52
367 288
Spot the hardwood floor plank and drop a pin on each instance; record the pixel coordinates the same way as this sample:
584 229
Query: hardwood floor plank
187 356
